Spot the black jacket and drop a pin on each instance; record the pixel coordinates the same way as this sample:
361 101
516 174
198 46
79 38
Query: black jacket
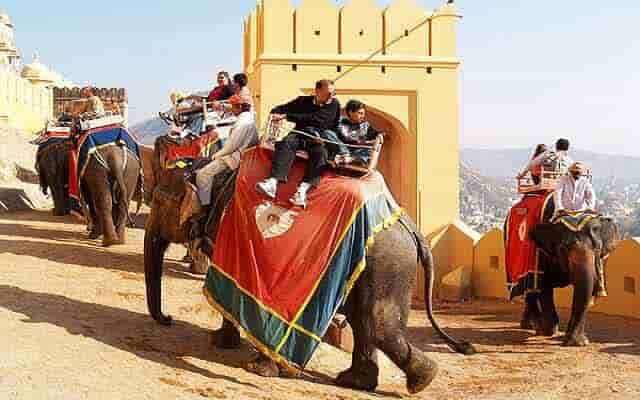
306 113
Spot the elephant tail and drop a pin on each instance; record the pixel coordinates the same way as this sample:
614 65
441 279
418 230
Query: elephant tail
426 259
120 187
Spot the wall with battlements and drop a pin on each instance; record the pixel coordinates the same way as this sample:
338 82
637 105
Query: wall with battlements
488 277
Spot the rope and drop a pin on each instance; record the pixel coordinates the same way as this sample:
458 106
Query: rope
323 140
386 45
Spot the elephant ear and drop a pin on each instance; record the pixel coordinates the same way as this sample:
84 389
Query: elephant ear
609 234
547 237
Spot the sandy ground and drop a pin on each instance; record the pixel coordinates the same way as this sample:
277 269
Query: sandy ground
74 326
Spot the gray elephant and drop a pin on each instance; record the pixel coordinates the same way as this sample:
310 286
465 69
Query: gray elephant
568 258
377 308
52 165
108 186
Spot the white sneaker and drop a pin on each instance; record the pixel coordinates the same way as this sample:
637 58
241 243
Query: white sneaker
268 186
300 197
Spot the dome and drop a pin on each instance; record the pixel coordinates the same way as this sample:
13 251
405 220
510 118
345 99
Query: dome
4 19
36 71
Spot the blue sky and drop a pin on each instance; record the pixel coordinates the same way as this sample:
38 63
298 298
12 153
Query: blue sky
532 70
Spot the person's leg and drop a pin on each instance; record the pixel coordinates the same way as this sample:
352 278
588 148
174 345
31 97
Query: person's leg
204 180
283 158
334 149
317 162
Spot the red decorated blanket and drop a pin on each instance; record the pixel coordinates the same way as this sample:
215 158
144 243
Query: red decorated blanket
202 146
280 273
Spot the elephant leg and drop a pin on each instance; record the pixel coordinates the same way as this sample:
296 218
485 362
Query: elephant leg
104 210
95 225
389 315
583 285
531 315
363 373
227 337
550 320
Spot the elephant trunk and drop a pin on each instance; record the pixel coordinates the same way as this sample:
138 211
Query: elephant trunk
154 249
426 259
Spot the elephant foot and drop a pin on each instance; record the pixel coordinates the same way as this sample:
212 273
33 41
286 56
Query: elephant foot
576 341
547 330
162 319
420 372
527 324
226 337
107 242
365 379
264 366
94 234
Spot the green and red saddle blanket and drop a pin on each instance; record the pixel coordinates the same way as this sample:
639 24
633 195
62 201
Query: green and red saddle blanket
89 145
521 253
280 273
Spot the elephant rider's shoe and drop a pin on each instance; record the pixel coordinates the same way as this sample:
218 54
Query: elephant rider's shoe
300 197
269 187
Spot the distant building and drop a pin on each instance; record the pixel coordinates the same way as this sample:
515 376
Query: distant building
26 93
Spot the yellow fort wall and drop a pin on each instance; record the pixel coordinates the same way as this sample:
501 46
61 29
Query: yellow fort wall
24 105
489 276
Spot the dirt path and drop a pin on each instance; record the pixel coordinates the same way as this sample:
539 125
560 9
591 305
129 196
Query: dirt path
74 326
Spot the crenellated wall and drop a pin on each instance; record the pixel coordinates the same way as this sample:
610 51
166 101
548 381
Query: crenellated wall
488 278
23 104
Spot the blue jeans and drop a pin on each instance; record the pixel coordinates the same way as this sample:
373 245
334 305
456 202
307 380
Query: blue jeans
329 135
362 154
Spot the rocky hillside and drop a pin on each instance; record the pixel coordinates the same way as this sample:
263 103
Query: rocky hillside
18 182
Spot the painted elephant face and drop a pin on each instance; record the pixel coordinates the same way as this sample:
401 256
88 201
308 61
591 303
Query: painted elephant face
606 229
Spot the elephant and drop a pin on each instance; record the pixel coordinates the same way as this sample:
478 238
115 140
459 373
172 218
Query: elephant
568 258
377 307
109 186
52 166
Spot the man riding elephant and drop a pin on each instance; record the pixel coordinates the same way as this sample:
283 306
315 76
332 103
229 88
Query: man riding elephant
243 134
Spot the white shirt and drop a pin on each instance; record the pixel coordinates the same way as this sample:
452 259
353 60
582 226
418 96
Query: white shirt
243 134
563 157
574 194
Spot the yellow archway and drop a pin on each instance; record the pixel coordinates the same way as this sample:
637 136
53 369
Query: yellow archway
398 158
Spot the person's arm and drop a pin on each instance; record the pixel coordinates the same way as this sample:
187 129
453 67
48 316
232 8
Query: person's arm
590 197
285 108
372 134
557 197
323 116
532 164
233 142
